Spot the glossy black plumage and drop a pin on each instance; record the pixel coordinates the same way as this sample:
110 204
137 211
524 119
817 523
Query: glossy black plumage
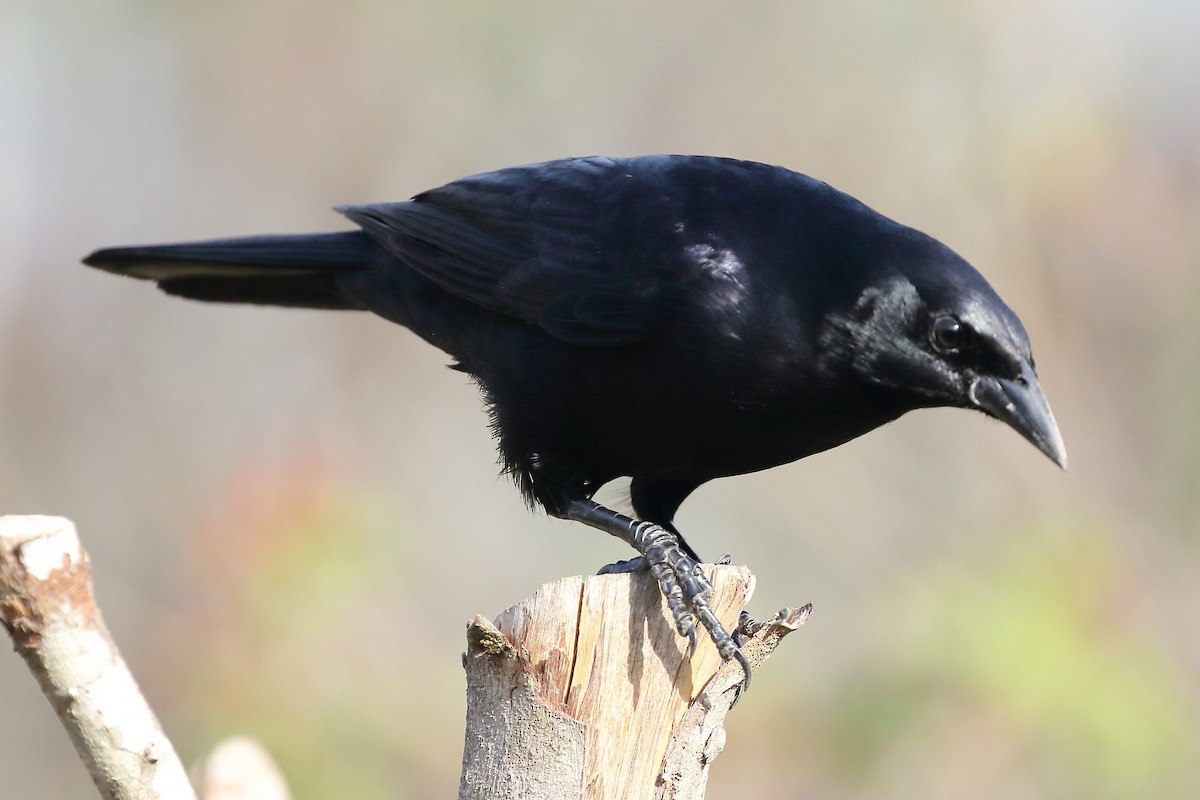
673 319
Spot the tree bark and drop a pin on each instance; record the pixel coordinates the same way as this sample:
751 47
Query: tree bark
584 690
46 603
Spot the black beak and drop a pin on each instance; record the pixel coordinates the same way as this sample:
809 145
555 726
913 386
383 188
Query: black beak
1021 404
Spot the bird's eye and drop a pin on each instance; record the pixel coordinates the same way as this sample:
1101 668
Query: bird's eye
947 334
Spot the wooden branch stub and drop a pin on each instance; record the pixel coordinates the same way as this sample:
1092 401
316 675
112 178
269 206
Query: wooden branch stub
700 735
47 606
584 690
239 768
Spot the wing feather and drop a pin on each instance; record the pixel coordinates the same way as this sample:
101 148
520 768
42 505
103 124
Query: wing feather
544 243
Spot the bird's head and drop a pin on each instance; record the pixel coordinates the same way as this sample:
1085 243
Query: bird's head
938 335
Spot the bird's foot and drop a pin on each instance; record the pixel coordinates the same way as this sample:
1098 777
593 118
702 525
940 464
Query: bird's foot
679 575
747 626
686 589
622 567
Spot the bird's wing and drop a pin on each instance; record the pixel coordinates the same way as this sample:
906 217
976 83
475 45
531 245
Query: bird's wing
580 247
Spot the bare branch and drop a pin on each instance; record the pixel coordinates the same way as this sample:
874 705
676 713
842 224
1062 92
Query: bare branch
240 769
47 606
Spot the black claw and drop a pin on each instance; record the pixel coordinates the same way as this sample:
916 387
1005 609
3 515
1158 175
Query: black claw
693 642
740 657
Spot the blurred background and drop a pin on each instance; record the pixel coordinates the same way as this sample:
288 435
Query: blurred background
292 514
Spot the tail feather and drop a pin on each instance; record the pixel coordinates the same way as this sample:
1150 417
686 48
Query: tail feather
298 270
303 290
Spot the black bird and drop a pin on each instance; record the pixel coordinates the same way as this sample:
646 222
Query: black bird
671 319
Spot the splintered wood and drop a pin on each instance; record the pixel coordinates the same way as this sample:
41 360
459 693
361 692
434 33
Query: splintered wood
580 691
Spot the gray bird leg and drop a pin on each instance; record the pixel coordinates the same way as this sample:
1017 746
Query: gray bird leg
680 577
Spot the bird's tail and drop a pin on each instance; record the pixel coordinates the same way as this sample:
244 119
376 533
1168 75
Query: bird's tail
297 270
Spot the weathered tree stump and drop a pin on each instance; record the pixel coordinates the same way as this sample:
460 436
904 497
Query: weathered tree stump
585 690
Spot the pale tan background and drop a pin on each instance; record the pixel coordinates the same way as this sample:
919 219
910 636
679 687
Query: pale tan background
292 514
